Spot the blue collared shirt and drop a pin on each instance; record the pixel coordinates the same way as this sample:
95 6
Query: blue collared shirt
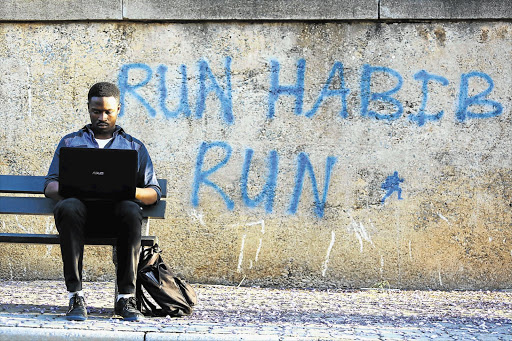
84 138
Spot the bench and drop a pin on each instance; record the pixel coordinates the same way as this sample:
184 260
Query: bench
14 200
11 202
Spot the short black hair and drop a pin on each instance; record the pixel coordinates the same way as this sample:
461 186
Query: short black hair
103 89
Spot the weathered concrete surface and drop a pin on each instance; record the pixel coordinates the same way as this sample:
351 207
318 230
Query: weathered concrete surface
35 10
442 9
250 10
451 229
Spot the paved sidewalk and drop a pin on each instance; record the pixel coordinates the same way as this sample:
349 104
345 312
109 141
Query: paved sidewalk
35 311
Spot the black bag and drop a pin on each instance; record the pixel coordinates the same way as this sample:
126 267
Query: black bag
174 295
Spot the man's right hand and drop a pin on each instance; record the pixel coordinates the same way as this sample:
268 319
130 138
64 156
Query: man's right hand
52 191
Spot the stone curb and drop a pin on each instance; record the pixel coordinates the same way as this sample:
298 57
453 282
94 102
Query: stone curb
31 334
47 334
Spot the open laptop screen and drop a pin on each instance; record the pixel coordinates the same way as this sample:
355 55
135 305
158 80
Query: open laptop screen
92 173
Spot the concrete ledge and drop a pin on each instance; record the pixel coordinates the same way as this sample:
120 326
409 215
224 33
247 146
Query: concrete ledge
250 10
199 10
30 334
442 9
48 10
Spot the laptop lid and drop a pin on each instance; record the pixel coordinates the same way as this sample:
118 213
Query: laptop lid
93 173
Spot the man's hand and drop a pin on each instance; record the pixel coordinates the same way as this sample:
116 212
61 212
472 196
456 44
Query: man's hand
52 191
147 196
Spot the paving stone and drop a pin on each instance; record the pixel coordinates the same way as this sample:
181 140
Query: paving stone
390 335
199 329
31 324
319 332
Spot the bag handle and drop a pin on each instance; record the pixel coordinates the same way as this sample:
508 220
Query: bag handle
150 250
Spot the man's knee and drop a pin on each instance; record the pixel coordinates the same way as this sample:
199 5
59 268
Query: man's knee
70 213
70 206
129 211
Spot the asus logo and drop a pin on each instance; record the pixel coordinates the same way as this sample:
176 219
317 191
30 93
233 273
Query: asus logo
98 173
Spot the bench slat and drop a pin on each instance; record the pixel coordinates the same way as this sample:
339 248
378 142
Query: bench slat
44 206
26 205
34 184
26 238
21 184
163 187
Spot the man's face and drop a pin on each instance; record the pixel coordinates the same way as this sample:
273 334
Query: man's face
103 112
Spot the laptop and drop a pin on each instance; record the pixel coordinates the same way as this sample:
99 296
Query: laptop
97 174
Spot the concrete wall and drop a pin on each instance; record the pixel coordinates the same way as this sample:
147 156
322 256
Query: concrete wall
353 151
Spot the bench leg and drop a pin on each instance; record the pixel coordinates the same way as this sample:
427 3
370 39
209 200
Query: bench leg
114 259
145 227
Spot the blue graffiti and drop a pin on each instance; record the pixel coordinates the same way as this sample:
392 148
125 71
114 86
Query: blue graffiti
224 96
207 84
276 89
367 96
466 101
303 165
268 191
342 92
126 88
201 177
183 106
267 194
391 185
422 116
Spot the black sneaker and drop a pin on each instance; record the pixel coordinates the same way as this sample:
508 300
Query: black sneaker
76 310
127 308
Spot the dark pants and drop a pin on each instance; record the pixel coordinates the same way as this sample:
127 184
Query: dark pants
75 220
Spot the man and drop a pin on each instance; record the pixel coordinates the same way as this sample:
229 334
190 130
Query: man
75 218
